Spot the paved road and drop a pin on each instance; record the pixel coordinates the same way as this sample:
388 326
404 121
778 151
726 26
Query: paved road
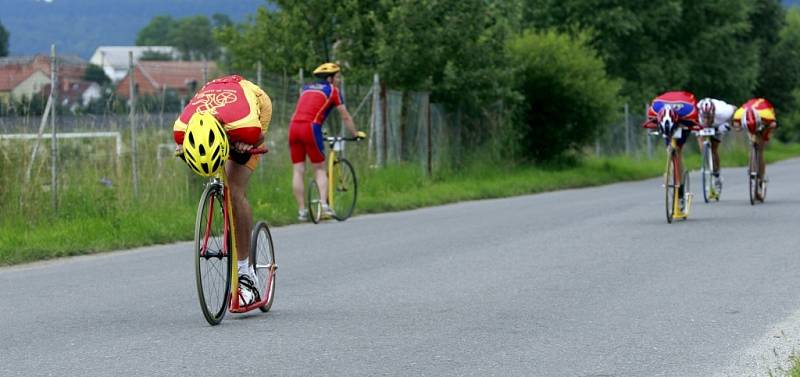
589 282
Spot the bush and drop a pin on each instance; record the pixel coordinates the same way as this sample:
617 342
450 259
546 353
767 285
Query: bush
569 97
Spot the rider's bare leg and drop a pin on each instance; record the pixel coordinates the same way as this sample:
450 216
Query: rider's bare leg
715 155
298 171
238 177
321 176
762 163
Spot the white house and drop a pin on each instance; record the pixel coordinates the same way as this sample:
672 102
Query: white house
114 59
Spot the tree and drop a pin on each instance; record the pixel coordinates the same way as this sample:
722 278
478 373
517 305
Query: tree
776 31
3 41
782 77
569 97
157 33
640 41
193 36
268 38
96 74
455 49
722 49
155 55
705 46
221 20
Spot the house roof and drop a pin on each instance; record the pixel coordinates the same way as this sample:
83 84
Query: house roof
174 74
15 70
117 56
63 60
13 75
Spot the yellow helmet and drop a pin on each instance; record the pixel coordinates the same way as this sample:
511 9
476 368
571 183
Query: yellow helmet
326 69
205 144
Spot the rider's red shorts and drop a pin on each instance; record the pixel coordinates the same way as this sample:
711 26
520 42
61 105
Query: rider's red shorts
305 139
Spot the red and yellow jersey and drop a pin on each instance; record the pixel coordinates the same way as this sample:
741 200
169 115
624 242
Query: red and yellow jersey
244 110
763 107
316 102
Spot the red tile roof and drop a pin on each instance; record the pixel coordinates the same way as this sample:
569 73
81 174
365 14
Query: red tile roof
13 75
15 71
175 75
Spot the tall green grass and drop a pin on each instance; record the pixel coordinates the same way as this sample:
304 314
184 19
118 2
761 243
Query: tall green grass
94 215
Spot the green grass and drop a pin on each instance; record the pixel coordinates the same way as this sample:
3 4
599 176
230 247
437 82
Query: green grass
93 217
794 370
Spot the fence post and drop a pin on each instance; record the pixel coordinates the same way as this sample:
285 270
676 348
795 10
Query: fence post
205 72
132 92
343 95
627 132
374 129
384 126
427 99
649 137
54 143
285 97
300 89
258 74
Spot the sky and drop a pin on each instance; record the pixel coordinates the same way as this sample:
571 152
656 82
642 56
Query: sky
77 27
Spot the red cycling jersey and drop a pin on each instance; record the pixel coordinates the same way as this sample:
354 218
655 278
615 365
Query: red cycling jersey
305 131
242 107
316 102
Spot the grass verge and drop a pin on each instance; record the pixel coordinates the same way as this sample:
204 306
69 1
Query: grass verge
101 221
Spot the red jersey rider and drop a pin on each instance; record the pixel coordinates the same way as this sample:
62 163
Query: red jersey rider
238 112
305 132
758 117
674 114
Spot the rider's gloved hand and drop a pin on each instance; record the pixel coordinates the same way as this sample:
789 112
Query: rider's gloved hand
361 135
179 151
242 147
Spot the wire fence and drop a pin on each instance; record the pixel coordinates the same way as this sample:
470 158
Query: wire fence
625 136
404 128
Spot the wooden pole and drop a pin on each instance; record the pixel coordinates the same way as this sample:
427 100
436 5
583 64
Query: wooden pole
54 143
132 91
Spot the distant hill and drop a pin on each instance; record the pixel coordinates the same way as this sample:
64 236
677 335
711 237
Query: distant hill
79 26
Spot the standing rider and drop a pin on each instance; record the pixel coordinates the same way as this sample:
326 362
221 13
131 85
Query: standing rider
716 114
672 113
305 133
228 111
758 117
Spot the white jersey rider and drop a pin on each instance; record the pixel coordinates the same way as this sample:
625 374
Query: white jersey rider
717 114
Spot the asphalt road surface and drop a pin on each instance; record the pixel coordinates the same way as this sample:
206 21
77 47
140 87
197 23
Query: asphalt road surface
588 282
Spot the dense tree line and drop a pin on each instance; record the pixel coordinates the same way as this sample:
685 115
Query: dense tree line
552 63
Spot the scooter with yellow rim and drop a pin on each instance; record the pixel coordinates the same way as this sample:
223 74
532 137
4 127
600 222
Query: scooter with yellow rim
675 181
216 251
342 183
